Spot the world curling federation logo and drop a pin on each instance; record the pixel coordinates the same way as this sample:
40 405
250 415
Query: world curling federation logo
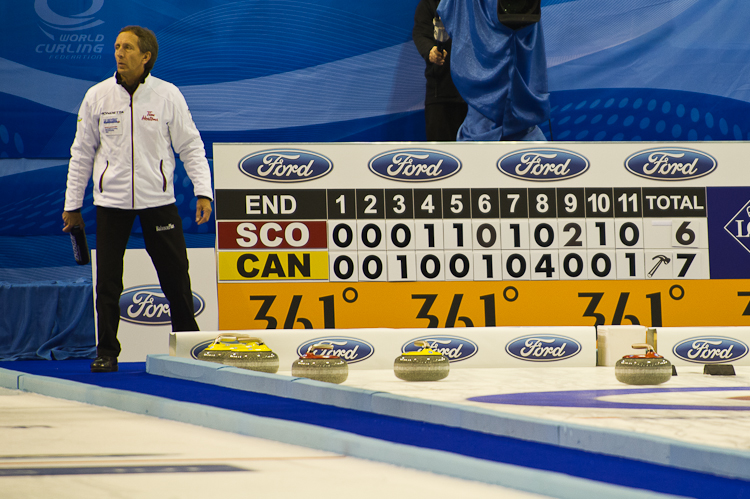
739 226
543 165
148 306
415 165
75 22
285 166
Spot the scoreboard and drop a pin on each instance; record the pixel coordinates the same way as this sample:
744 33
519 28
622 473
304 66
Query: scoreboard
481 234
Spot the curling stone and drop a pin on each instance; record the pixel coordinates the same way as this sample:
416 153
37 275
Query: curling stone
219 349
643 369
251 353
329 368
423 365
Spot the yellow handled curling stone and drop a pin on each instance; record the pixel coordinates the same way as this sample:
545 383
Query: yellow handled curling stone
241 350
219 349
423 365
251 353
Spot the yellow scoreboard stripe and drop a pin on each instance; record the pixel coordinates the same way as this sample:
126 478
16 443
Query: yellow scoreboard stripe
274 266
501 303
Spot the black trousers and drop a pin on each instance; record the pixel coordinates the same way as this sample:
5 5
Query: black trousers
165 244
443 119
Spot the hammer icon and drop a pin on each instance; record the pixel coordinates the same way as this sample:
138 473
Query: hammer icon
662 259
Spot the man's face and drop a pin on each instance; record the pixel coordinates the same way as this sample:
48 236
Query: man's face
130 59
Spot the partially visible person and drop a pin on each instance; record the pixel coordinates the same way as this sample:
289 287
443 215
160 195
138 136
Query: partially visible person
444 109
127 128
500 72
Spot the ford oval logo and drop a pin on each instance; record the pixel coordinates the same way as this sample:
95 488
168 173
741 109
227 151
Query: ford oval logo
415 165
351 350
543 165
710 349
197 349
453 347
670 164
285 165
147 305
543 348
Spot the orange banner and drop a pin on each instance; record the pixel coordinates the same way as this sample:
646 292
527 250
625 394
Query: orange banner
276 305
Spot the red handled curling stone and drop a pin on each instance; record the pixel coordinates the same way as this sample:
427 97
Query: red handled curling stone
643 369
251 353
423 365
329 368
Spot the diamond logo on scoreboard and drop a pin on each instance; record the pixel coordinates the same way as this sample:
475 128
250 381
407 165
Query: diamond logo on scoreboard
670 164
352 350
543 165
710 350
739 226
285 165
415 165
543 348
149 306
454 348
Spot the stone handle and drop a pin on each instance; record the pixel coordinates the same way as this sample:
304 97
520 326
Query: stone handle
645 346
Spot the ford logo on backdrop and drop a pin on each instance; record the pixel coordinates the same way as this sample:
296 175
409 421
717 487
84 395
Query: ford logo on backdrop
543 348
415 165
543 165
147 305
351 350
670 164
285 165
453 347
710 350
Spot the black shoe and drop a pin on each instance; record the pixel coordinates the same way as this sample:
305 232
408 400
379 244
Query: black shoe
104 364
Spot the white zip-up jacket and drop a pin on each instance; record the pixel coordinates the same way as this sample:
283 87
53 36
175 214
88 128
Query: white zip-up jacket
126 144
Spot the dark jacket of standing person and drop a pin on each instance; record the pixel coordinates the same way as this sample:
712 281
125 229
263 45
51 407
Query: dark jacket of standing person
444 108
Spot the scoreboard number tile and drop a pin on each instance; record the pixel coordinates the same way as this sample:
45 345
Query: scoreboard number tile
488 265
514 234
344 266
400 235
516 265
543 234
574 265
600 233
371 235
343 235
373 266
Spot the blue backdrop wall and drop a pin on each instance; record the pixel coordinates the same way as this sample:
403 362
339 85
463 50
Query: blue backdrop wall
336 70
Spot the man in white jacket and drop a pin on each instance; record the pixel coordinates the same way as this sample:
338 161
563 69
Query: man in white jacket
127 128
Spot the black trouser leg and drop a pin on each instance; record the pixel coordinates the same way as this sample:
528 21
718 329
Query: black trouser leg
112 232
165 243
443 119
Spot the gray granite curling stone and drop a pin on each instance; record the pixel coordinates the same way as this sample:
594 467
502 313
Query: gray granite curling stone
219 349
422 365
329 368
251 353
646 369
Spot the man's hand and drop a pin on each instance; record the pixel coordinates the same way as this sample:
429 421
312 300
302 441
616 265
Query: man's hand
202 210
71 219
436 57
